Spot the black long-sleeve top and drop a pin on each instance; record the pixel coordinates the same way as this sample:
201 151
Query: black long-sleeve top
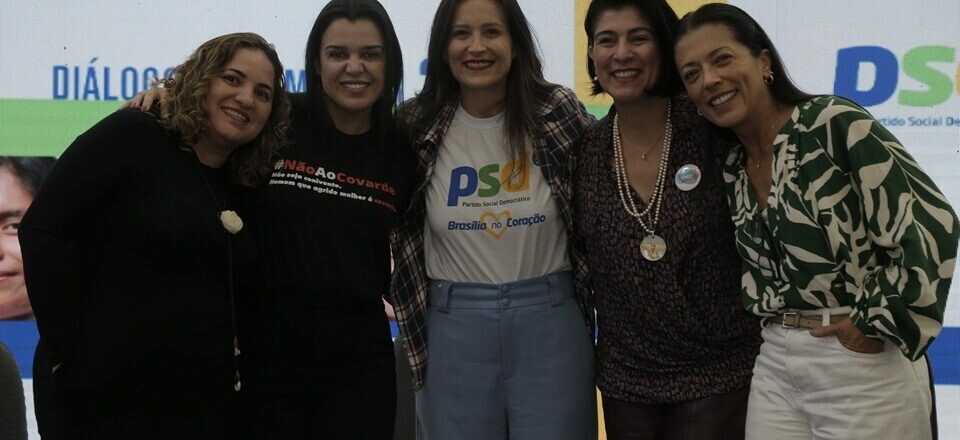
126 262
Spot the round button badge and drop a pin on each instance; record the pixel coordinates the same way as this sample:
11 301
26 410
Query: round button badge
688 177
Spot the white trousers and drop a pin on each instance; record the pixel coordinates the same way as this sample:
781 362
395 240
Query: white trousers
806 387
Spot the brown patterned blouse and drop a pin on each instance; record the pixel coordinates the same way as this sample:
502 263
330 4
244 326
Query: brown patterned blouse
671 330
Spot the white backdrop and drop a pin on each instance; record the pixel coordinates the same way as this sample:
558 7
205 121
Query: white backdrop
36 36
899 55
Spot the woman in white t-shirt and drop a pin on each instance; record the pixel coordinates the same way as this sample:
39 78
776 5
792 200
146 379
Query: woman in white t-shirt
482 255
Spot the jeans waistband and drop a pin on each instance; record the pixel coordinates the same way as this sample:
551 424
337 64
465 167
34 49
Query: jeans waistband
552 289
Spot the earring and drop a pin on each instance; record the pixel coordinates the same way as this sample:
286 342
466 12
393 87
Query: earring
594 78
768 78
698 111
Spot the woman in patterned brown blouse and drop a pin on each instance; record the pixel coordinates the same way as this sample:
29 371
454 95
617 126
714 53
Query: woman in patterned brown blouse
675 348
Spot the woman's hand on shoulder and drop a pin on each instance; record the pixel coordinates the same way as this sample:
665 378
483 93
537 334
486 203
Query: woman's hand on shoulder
145 100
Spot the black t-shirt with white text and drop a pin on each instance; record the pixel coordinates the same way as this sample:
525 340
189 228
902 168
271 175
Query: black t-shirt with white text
324 218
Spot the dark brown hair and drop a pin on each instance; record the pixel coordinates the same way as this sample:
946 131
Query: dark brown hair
381 115
747 32
663 21
526 87
30 171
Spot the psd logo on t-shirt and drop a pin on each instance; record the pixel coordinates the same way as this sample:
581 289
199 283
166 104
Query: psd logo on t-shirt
488 181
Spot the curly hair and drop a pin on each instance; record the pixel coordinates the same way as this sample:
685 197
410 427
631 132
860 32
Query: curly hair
189 84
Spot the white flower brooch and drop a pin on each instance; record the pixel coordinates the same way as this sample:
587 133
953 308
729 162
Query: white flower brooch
231 221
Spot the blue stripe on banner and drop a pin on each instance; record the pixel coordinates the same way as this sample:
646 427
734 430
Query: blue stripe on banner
21 337
945 357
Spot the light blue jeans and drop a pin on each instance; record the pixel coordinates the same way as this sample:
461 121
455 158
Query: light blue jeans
507 361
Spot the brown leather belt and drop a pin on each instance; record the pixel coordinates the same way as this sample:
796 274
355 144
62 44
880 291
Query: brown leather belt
796 320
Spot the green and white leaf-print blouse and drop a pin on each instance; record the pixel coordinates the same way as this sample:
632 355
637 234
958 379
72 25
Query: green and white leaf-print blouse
851 220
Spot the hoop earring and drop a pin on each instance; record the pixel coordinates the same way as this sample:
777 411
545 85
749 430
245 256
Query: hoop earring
768 78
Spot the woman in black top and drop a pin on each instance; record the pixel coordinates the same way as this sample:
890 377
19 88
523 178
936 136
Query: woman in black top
131 246
317 358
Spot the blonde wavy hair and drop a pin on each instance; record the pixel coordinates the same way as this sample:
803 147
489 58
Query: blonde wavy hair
188 86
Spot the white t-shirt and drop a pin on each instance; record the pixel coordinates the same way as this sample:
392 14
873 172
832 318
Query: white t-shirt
492 225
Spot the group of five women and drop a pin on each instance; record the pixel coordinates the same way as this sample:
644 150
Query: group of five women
514 219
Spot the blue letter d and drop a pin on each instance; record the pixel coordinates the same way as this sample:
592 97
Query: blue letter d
848 72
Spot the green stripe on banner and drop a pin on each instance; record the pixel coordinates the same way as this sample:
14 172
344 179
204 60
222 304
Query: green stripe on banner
40 127
598 111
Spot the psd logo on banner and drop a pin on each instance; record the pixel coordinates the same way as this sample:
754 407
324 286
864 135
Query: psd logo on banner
874 75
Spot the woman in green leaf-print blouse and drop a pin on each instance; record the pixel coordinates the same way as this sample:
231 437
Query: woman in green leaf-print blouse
848 247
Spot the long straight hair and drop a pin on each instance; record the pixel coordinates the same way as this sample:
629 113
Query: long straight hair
381 116
526 88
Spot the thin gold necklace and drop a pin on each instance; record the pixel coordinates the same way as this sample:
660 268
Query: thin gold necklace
643 155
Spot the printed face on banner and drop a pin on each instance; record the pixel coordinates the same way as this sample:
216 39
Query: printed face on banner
239 100
480 52
14 201
352 68
722 77
624 53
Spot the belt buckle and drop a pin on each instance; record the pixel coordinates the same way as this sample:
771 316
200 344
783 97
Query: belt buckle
786 316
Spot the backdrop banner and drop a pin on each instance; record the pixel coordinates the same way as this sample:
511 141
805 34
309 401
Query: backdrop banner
65 65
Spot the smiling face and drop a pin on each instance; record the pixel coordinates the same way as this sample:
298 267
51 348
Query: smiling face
625 54
14 200
238 101
351 66
480 51
723 78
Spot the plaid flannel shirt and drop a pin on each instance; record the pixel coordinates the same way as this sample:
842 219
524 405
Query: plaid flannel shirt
564 119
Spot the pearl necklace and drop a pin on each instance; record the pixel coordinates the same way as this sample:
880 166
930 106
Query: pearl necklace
652 247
